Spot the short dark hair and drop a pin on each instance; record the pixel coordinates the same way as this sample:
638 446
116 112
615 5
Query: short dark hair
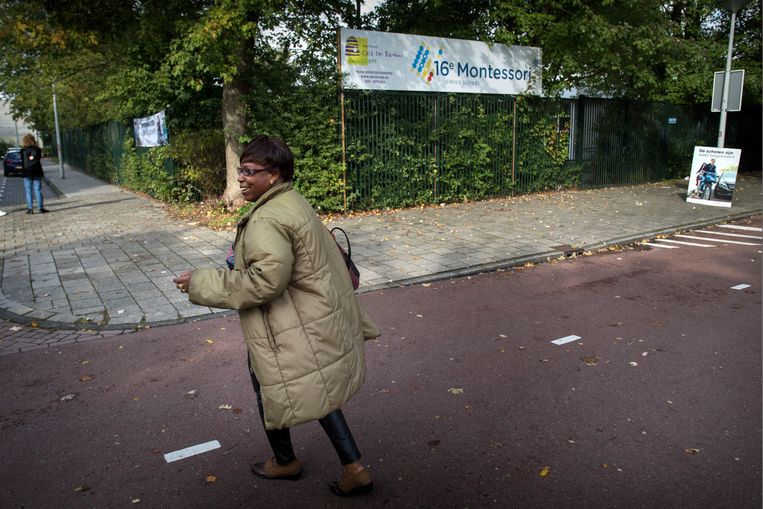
270 152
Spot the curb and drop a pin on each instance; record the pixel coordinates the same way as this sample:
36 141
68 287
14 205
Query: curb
538 258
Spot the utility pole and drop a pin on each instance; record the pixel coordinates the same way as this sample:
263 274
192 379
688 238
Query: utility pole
58 134
733 6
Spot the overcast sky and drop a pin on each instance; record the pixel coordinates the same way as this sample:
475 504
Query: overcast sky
368 6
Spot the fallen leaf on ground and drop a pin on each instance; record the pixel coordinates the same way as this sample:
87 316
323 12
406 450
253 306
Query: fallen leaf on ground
68 397
86 378
210 341
81 488
544 471
211 479
237 410
456 390
591 361
225 407
691 450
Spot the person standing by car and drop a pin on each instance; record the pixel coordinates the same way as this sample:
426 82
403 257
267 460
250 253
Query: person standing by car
32 172
303 325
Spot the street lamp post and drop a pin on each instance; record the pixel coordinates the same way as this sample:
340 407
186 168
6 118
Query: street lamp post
733 6
58 135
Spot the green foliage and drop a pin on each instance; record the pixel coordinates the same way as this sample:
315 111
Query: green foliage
200 160
420 148
146 171
543 146
4 147
474 162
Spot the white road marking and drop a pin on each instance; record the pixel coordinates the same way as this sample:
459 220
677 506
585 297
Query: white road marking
741 235
737 227
565 339
740 287
684 243
660 245
191 451
707 239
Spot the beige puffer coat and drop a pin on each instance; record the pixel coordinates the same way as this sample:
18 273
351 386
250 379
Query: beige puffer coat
301 320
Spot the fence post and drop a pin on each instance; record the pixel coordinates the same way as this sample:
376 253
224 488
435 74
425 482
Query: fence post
580 133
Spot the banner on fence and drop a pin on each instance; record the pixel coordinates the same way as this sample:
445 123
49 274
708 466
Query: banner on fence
713 176
388 61
151 131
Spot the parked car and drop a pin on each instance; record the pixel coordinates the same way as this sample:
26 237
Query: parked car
726 185
12 162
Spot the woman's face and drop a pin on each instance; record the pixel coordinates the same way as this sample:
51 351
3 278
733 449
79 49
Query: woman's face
254 179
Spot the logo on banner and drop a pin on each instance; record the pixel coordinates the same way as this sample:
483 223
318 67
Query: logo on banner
356 50
422 63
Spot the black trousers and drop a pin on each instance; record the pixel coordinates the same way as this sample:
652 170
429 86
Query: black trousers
333 424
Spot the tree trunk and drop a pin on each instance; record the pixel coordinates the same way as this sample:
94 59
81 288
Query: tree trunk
234 125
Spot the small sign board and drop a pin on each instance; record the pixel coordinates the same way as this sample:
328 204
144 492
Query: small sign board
736 84
713 176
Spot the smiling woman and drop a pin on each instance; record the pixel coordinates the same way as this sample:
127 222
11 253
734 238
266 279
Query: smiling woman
303 326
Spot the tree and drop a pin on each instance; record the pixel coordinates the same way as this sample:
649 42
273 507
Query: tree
222 47
640 49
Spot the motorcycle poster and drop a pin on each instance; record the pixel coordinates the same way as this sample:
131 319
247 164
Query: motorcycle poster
713 176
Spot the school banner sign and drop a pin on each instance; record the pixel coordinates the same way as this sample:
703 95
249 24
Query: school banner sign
151 131
388 61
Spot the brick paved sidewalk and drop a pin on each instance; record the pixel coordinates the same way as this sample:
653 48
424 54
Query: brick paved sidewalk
104 258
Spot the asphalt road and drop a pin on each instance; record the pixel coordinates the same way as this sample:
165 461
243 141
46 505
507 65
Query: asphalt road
467 402
12 192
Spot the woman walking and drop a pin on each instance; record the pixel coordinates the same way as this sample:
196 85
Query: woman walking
32 172
302 323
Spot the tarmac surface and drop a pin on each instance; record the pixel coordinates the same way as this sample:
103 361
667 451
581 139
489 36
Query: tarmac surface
101 263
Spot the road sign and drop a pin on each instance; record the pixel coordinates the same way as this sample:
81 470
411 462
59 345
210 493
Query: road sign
735 91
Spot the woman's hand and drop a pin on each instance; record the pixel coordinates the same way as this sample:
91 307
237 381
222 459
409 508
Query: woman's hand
183 281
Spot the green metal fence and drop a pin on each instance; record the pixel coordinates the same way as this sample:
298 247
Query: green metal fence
405 149
409 148
96 150
621 142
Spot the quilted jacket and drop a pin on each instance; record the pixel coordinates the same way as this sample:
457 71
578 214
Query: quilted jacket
303 325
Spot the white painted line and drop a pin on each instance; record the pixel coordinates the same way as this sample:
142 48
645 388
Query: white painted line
724 241
565 339
684 243
191 451
740 287
737 227
660 245
740 235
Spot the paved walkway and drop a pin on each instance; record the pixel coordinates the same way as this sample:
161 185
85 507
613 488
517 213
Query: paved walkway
102 262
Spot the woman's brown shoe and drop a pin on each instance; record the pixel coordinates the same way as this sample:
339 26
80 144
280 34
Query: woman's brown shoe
359 483
272 470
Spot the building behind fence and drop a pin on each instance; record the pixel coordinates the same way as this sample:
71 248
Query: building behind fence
405 149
